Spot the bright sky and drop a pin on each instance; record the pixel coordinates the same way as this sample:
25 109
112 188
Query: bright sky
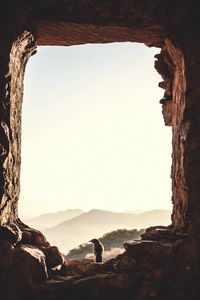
93 135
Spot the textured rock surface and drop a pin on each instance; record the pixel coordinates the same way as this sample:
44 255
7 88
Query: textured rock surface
169 265
13 57
53 257
30 264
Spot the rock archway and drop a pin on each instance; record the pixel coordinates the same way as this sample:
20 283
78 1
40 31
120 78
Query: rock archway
171 26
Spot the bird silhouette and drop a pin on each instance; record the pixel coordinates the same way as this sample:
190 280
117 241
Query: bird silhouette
98 250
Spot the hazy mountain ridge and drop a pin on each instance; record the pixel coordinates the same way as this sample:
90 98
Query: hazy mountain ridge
98 216
95 223
47 220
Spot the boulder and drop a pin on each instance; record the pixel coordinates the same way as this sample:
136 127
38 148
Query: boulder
103 287
74 267
10 233
34 237
53 256
29 265
142 248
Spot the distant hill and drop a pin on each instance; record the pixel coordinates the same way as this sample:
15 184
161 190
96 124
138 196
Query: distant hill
111 241
52 219
95 223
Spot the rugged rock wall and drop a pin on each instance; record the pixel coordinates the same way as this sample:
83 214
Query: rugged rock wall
173 26
12 75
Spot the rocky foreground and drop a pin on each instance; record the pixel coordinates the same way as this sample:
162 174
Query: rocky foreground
148 269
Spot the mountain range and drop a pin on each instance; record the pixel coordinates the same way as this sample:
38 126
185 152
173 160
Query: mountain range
83 226
45 221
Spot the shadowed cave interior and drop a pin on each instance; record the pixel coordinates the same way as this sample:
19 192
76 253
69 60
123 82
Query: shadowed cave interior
165 263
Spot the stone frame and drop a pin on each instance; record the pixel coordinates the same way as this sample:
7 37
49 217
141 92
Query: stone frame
171 25
126 23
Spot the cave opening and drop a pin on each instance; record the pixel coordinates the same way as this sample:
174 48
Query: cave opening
99 125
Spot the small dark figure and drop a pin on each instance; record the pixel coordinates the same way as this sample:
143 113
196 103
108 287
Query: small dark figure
98 250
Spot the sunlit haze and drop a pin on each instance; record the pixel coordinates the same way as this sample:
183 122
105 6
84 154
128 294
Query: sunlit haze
93 135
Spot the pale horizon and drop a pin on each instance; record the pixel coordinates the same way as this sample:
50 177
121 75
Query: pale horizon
93 135
132 211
